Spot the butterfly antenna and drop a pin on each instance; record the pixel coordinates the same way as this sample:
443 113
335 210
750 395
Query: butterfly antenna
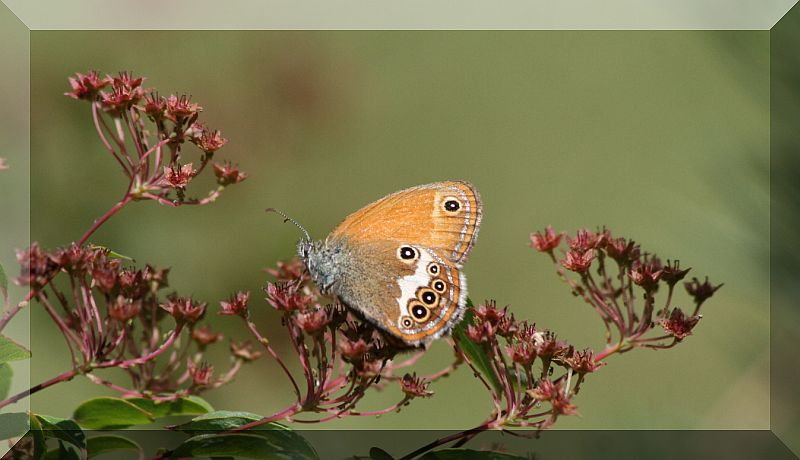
289 219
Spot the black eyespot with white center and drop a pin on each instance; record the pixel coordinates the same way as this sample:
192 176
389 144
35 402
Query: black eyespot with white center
451 205
407 253
439 286
433 269
420 312
428 297
406 322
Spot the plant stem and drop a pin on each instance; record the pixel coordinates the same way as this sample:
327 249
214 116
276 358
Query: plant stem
10 313
265 343
97 223
468 434
63 377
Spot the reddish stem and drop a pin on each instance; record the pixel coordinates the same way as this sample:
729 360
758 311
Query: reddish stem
10 313
288 412
63 377
265 343
97 223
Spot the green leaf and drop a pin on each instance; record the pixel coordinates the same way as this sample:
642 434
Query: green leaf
221 420
3 283
245 444
39 443
379 454
474 351
191 405
11 350
5 380
13 425
104 444
62 429
61 453
468 454
279 436
107 413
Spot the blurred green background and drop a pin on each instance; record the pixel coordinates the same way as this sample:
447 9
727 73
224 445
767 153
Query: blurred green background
661 136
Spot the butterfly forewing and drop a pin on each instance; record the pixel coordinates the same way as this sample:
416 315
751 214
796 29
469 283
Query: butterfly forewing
443 216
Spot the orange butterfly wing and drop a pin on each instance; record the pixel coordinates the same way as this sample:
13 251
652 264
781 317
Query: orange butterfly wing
443 216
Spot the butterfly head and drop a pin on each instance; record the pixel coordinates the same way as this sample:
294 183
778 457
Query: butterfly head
322 261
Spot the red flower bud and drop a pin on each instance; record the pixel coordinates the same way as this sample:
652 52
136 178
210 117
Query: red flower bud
236 305
184 309
203 336
547 242
244 350
123 309
578 262
228 174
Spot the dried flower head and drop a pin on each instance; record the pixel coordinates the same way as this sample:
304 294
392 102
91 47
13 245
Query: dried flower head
581 362
415 387
184 309
126 91
523 353
181 108
155 106
578 262
124 309
672 273
646 273
244 350
546 242
228 174
207 140
678 324
86 86
621 250
489 313
701 291
312 321
353 350
236 304
546 390
585 240
292 270
287 296
204 336
72 258
547 346
201 374
177 176
36 267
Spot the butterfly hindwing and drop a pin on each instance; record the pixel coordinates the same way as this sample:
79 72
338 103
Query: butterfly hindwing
443 216
411 291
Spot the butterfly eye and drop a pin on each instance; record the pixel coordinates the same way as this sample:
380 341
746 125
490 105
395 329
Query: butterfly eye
433 269
439 286
406 322
428 297
407 253
451 204
420 312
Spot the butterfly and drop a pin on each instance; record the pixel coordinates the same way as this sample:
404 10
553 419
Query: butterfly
398 261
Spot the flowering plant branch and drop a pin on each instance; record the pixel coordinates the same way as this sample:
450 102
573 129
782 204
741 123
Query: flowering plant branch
340 355
113 314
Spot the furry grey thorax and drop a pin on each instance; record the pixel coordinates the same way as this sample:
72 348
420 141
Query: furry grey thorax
323 261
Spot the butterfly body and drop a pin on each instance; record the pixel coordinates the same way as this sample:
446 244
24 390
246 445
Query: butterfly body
398 260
